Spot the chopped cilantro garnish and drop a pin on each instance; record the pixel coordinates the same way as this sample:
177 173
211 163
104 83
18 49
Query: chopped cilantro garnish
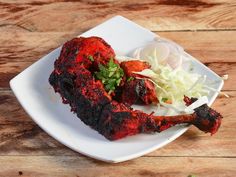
164 99
130 79
111 75
90 57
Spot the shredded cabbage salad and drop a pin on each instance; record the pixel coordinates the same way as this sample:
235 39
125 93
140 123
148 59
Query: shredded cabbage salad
172 81
172 85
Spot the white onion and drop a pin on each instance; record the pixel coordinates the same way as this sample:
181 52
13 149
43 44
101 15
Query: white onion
160 51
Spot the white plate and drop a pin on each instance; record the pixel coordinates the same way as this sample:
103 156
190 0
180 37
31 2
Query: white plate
37 97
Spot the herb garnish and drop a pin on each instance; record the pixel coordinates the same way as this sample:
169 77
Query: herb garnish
164 99
90 57
111 75
130 79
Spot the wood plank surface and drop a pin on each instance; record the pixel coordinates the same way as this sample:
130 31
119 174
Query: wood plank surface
156 15
19 135
22 48
41 166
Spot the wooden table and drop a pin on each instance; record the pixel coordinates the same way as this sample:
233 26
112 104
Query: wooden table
29 29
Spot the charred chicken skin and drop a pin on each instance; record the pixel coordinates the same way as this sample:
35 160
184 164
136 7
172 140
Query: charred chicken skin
73 77
137 91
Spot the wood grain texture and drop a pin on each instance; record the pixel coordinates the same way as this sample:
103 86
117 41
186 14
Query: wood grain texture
41 166
156 15
21 48
19 135
30 29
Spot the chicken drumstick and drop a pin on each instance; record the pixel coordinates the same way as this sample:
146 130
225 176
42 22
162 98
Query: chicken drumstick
73 79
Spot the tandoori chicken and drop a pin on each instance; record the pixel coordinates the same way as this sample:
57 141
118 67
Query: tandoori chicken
103 104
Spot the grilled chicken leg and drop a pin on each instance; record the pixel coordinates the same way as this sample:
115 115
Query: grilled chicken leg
73 79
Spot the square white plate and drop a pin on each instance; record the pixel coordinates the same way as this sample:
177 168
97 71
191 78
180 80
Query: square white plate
37 97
